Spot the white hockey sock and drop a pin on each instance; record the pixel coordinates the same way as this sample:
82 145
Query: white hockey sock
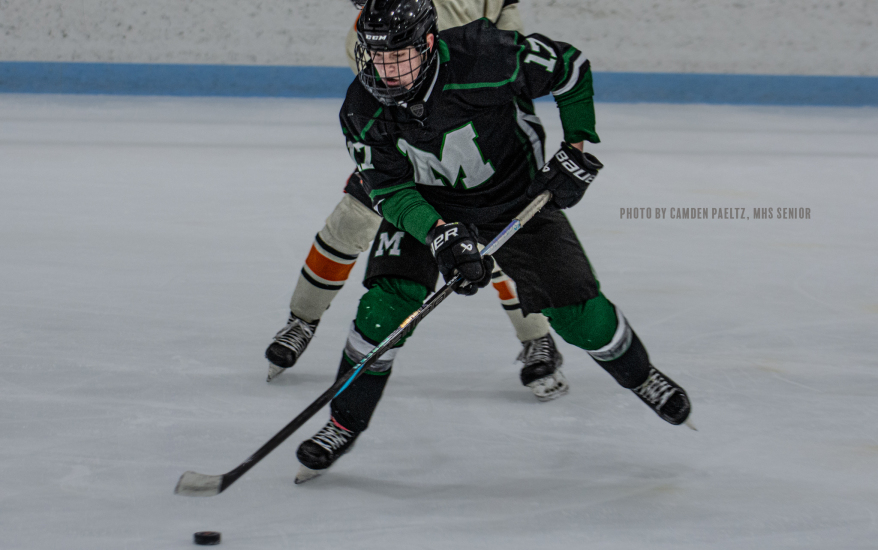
325 272
527 327
348 231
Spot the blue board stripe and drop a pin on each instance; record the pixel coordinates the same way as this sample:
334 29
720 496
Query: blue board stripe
177 80
736 89
278 81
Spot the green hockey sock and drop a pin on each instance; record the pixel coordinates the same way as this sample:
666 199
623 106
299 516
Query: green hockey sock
386 305
599 328
589 325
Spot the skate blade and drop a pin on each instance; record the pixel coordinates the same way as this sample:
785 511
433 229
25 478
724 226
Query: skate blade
559 387
305 474
273 372
552 395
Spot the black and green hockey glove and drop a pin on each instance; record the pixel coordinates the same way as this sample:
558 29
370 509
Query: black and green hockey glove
567 175
455 249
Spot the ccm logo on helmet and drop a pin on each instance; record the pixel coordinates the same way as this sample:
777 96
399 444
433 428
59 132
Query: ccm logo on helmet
376 37
573 168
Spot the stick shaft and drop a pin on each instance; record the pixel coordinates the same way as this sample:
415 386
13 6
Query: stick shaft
406 327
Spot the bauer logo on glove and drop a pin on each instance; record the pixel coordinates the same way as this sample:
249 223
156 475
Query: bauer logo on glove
443 235
567 175
574 169
455 249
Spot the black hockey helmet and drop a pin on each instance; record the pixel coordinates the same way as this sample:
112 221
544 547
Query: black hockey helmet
392 25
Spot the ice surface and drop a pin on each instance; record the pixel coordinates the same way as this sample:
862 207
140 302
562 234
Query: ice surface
149 248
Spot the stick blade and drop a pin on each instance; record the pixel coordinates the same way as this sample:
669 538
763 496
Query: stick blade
193 484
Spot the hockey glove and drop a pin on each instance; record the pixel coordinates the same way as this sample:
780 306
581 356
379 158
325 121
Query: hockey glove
567 175
455 249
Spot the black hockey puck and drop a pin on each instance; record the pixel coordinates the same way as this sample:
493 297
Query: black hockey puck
207 538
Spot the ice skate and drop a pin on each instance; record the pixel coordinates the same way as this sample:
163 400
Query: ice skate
288 345
665 397
542 368
321 451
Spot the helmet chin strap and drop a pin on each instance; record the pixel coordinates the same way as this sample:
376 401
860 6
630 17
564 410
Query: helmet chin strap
423 95
434 67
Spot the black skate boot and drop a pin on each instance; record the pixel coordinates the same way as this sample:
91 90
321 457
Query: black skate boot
321 451
542 368
665 397
288 345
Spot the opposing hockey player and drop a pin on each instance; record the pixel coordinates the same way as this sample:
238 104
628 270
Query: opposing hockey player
353 224
442 126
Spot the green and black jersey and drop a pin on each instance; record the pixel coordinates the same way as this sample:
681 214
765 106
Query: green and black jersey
478 145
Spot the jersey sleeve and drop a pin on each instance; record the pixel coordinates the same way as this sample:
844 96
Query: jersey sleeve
548 67
498 65
389 179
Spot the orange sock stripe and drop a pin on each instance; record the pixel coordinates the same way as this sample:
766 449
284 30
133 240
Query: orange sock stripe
326 269
505 290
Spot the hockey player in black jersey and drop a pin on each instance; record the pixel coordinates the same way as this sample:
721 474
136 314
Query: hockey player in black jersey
444 134
352 225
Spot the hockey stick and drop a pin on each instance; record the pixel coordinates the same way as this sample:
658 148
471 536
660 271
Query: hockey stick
194 484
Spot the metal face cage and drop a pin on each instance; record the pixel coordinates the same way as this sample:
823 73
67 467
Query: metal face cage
395 77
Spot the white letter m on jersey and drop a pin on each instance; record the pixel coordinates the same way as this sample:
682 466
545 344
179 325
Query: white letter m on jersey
390 244
460 163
